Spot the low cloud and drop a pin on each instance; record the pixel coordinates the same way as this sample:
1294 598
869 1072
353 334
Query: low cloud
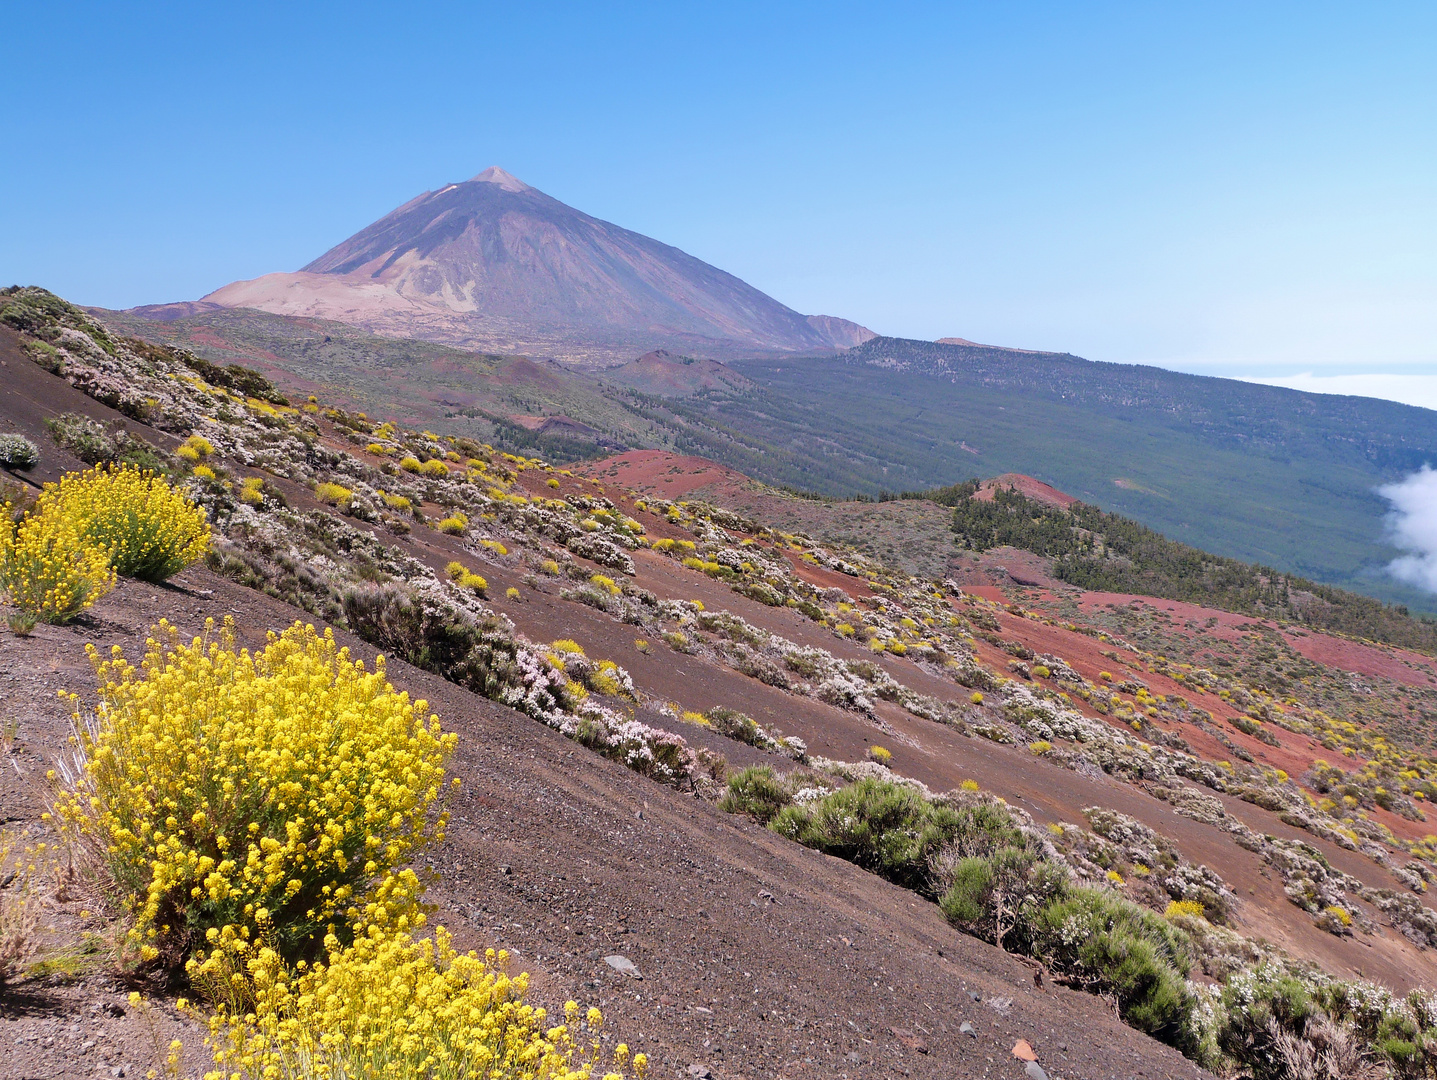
1409 389
1413 525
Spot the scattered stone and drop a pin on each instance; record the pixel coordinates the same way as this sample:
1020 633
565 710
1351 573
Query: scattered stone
966 1028
623 965
1023 1051
700 1072
910 1040
1035 1071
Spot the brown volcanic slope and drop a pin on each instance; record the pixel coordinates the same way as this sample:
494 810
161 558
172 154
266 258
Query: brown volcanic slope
497 265
759 958
661 372
1025 485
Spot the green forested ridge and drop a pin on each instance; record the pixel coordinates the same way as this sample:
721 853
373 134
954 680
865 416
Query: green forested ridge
1097 550
1301 498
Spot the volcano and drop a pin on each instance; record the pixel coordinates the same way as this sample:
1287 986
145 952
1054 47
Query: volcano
495 265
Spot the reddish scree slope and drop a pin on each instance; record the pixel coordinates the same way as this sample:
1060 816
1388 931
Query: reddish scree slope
759 958
942 759
1033 488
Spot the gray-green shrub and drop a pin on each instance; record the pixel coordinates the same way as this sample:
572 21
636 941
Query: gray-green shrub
1108 944
893 831
18 452
999 897
756 793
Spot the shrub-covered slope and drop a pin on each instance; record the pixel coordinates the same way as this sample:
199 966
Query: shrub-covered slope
636 677
1256 473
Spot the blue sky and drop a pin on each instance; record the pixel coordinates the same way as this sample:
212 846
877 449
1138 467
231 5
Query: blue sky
1243 189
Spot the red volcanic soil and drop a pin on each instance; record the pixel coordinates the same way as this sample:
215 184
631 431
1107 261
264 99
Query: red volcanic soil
1399 665
828 579
1034 489
1085 654
1360 658
660 372
520 370
1000 566
670 476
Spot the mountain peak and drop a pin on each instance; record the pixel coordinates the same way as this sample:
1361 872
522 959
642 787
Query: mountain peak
470 265
495 175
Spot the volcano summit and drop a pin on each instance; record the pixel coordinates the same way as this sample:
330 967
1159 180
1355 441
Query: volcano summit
495 265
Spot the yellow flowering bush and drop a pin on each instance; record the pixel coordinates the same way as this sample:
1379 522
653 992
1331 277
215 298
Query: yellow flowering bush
389 1005
434 468
604 680
194 450
47 570
332 494
454 524
233 795
605 583
409 463
1191 908
396 502
150 530
465 578
251 491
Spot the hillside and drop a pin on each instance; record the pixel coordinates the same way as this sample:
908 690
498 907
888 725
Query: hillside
1255 473
1260 474
492 264
629 658
667 375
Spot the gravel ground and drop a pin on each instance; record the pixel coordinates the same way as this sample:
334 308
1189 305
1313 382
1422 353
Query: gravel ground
754 957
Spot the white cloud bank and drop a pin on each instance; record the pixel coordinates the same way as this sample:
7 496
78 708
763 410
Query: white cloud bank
1418 390
1413 523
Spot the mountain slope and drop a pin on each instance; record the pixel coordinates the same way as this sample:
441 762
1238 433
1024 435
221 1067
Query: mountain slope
1263 474
1196 745
495 264
660 372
